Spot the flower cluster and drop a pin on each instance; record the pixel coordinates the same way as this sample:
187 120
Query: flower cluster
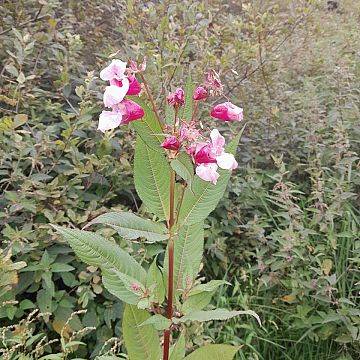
208 154
122 82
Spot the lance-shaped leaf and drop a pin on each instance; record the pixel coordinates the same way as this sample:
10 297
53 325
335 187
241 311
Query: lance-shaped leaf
141 342
152 179
217 314
95 250
149 128
158 321
131 226
203 197
214 352
154 282
188 251
200 296
178 350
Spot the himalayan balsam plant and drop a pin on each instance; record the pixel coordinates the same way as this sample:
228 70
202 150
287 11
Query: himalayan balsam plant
181 171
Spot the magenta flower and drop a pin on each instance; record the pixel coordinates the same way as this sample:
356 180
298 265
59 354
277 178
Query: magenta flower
115 94
200 93
116 70
131 111
171 143
134 86
227 111
204 154
177 98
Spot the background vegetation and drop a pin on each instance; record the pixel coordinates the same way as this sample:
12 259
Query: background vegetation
286 235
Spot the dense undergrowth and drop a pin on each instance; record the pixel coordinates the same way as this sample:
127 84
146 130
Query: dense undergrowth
286 235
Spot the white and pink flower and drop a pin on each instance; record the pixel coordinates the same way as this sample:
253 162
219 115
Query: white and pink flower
227 111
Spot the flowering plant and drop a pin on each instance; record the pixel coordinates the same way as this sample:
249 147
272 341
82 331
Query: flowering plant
180 174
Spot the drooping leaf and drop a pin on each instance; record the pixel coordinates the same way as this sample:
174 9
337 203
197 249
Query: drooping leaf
200 296
95 250
152 179
203 197
178 350
131 226
141 342
154 282
217 314
213 352
158 321
188 251
188 107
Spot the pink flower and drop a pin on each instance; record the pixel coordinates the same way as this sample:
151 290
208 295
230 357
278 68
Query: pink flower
131 111
135 287
200 93
212 153
116 70
207 172
171 143
227 111
189 132
177 98
114 94
213 83
134 86
109 120
135 67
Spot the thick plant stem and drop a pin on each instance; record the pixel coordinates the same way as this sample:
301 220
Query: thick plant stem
170 285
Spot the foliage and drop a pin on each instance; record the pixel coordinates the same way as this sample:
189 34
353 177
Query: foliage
285 237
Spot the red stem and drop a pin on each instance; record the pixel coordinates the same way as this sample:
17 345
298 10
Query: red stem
170 295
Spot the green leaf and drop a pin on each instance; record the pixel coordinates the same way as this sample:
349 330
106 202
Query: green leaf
178 351
154 282
152 179
204 196
188 251
60 267
184 168
158 321
188 107
217 314
148 128
214 352
131 226
95 250
200 296
141 342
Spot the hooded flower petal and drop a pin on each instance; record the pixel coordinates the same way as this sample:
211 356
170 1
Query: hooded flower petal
131 111
114 94
134 86
109 120
227 111
207 172
203 154
116 70
200 93
227 161
171 143
177 98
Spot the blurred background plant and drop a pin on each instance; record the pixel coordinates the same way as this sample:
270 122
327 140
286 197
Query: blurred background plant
286 234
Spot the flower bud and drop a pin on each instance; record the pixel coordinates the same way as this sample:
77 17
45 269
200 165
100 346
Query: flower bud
171 143
177 98
200 93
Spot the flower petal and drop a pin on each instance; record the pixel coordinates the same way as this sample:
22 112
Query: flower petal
116 70
207 172
109 120
218 142
114 94
226 161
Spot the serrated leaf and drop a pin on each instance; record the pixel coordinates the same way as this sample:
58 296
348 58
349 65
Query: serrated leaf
178 350
95 250
188 251
204 196
211 286
158 321
141 342
152 179
217 314
188 107
131 226
213 352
